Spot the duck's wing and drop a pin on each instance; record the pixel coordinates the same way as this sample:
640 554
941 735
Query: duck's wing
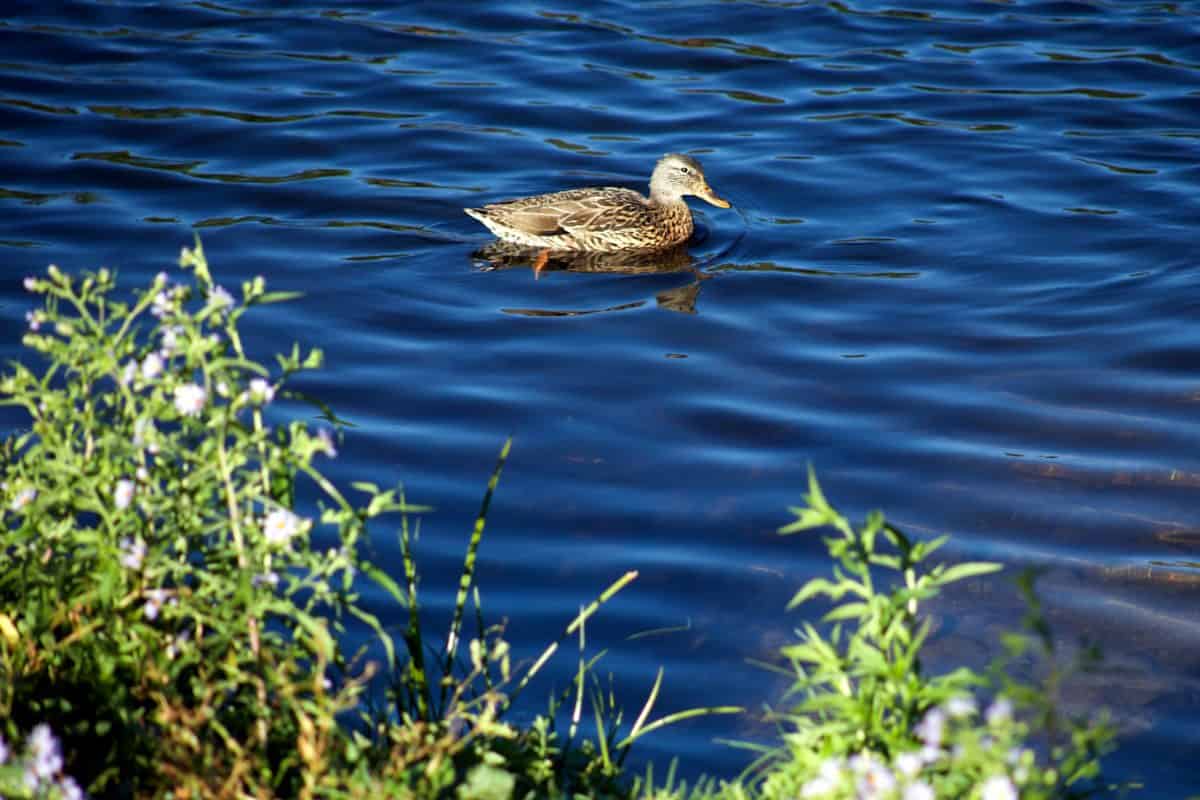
571 212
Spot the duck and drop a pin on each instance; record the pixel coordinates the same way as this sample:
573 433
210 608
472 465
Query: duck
605 219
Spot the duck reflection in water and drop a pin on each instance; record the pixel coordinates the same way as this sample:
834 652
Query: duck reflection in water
502 255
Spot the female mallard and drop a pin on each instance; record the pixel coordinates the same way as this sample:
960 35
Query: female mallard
606 218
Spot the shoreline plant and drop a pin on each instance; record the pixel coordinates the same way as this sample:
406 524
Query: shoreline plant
179 577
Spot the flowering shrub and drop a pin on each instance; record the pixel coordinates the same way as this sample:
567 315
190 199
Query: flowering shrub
162 601
38 770
872 725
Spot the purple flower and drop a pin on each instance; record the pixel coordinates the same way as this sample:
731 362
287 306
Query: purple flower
45 757
931 727
327 442
154 600
70 789
133 552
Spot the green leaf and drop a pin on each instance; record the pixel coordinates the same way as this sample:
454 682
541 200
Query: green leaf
969 570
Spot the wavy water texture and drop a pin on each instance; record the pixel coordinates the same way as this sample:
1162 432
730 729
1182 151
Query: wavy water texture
959 279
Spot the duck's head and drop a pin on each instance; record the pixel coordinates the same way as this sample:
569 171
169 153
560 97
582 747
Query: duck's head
677 175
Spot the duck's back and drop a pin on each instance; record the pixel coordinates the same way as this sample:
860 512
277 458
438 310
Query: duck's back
601 218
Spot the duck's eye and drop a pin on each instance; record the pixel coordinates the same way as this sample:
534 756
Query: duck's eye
684 170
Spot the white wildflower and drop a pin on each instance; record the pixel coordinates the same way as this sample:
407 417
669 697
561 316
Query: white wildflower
34 320
152 366
998 787
143 474
919 791
999 712
909 764
133 552
261 391
128 373
875 782
961 706
160 279
123 494
190 399
23 498
219 297
223 388
932 727
162 304
266 579
45 757
30 283
281 525
327 442
69 789
170 338
154 600
827 780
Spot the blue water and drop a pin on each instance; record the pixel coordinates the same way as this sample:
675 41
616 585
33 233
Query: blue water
960 279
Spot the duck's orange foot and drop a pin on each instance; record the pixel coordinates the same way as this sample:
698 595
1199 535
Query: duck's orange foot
539 263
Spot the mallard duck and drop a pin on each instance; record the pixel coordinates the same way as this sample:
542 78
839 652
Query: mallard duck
605 219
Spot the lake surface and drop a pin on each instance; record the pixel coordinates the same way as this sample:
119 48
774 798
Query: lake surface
960 279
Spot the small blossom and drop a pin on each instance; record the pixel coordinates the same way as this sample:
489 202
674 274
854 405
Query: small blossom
23 498
919 791
128 373
70 789
133 552
45 757
123 494
909 764
931 727
961 706
998 787
261 392
143 474
281 525
223 388
160 279
162 304
999 712
219 297
874 780
327 442
30 283
266 579
827 780
170 338
154 600
190 399
176 645
33 319
152 366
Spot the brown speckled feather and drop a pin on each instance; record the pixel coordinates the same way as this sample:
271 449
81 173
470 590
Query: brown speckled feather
603 219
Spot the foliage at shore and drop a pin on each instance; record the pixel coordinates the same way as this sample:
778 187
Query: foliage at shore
180 576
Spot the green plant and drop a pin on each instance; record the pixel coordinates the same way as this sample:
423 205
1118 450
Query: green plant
178 576
871 723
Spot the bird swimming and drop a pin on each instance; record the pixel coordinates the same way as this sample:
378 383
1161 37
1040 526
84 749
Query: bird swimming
606 219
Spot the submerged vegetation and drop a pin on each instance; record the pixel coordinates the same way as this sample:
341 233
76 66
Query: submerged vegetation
180 577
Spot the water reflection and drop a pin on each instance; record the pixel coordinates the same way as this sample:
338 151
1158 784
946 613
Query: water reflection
500 255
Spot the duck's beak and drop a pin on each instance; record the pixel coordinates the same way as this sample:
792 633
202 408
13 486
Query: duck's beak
706 194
